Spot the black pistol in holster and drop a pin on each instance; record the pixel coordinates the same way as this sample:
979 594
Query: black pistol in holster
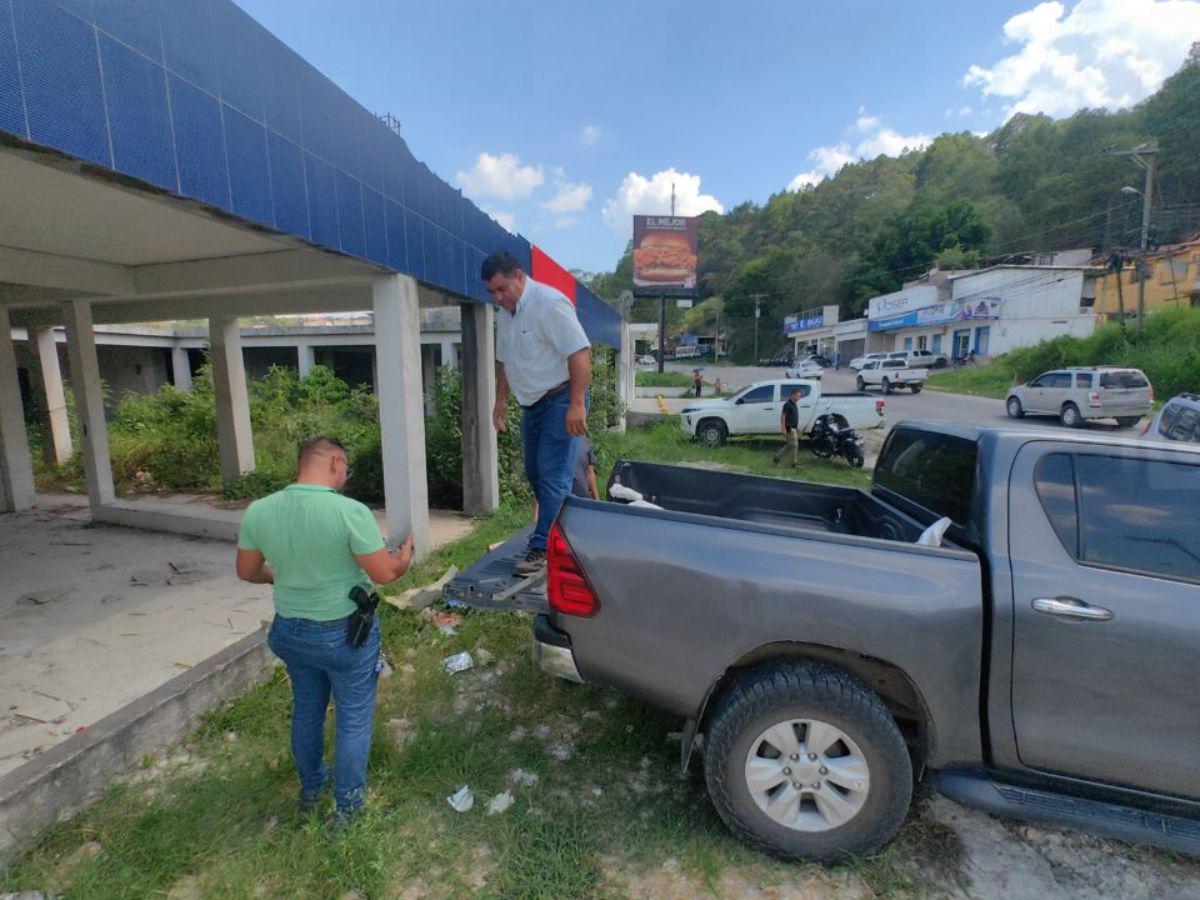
363 617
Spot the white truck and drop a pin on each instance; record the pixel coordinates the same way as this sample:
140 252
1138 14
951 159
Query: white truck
889 374
756 410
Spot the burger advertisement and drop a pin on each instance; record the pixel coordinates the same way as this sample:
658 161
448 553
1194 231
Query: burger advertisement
664 255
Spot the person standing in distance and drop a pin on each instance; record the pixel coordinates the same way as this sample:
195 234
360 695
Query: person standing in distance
544 358
316 545
789 427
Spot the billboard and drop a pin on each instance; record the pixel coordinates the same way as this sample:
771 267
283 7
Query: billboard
664 256
805 321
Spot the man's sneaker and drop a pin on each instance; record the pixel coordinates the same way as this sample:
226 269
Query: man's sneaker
534 563
308 800
343 817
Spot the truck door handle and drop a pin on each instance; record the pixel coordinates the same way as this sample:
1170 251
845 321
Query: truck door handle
1070 606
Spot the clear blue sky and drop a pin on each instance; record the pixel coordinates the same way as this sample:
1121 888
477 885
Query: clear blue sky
569 98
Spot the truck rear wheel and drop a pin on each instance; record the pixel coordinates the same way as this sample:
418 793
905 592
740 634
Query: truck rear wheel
712 432
916 388
860 384
804 761
887 386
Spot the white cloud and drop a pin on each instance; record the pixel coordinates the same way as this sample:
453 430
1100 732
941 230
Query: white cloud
589 135
565 222
874 139
502 177
570 197
965 110
1100 53
507 219
652 196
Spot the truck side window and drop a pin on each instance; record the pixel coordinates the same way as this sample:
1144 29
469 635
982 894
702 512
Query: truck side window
763 394
786 390
1184 427
1083 381
1118 512
1055 482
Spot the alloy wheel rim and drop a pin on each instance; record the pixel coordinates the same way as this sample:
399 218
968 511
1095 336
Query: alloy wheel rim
807 775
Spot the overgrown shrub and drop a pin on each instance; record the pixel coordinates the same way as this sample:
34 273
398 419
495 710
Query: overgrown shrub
168 440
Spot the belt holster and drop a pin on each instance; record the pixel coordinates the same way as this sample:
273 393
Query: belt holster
363 617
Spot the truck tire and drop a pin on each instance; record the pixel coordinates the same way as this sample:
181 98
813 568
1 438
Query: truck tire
860 384
852 774
1015 409
1128 421
887 386
1070 416
712 432
916 388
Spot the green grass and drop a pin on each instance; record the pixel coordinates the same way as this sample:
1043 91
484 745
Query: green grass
985 380
662 379
216 815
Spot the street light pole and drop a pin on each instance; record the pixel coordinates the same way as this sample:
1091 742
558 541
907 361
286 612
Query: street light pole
757 298
1144 155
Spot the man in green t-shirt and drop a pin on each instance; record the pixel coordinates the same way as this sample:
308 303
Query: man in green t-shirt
315 545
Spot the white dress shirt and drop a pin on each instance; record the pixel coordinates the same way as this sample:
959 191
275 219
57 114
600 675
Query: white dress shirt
535 341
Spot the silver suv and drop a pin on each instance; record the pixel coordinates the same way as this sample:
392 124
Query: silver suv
1079 394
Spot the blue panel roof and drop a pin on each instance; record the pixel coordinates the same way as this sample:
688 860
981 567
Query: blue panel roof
196 97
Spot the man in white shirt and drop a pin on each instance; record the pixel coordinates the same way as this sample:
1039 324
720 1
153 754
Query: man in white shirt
543 358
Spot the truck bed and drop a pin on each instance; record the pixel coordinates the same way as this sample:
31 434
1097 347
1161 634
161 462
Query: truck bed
802 507
768 501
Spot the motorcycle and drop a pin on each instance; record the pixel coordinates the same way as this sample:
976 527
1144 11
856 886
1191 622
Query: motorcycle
832 436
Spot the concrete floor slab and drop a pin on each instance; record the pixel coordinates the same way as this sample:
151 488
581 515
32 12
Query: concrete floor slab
93 616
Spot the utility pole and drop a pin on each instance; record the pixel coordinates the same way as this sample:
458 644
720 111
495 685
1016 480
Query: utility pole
662 330
1117 264
757 298
1145 156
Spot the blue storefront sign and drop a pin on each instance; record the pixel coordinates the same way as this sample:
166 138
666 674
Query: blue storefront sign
805 321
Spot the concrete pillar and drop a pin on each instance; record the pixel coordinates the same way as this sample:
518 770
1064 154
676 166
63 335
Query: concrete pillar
401 413
234 437
56 398
624 362
181 369
428 378
481 455
89 402
16 468
306 357
449 357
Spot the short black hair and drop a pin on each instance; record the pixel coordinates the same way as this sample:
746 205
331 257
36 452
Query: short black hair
500 262
318 446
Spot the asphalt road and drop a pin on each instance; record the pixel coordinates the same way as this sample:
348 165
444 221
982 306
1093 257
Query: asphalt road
927 406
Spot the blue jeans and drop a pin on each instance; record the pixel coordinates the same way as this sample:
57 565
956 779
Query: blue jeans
550 455
320 662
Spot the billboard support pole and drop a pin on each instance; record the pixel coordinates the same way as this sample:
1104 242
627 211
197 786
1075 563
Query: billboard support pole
662 330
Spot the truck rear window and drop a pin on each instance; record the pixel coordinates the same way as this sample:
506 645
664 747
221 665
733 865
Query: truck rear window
934 471
1130 379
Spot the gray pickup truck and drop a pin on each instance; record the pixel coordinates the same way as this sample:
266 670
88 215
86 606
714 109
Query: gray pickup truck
1038 659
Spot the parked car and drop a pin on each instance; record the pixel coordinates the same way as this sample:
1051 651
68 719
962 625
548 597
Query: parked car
859 361
809 368
783 359
756 409
921 358
1078 395
889 374
1179 420
647 360
1012 612
820 359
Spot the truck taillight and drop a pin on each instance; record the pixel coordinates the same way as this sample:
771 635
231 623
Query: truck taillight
1152 393
879 405
567 587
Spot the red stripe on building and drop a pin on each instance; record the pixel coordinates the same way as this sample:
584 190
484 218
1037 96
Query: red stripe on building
547 271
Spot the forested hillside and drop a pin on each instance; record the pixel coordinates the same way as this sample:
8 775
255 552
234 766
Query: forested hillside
1033 184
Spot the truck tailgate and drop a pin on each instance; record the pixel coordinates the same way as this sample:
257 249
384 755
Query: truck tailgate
490 584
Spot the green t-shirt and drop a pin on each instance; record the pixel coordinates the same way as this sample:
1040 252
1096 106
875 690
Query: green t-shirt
310 535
